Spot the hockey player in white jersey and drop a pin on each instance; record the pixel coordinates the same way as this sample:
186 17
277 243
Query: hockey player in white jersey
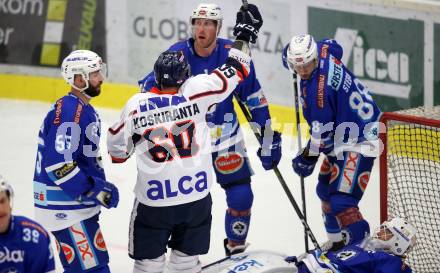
167 130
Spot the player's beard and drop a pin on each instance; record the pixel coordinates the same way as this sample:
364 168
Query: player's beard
92 91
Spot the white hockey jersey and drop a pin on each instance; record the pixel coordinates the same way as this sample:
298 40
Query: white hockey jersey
171 139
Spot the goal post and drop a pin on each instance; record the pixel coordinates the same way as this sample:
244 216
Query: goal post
410 179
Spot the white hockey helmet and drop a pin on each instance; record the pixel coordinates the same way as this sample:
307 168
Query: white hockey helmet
81 62
7 188
207 11
302 50
403 236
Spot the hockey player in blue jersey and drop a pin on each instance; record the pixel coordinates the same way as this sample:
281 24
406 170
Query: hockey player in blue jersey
24 244
205 52
384 252
69 182
343 120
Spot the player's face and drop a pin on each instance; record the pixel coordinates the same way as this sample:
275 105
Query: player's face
95 81
305 70
205 32
384 234
5 211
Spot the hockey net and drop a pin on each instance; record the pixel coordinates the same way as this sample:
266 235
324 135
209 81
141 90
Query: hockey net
410 179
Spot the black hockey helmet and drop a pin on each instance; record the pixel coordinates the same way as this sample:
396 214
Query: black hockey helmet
171 69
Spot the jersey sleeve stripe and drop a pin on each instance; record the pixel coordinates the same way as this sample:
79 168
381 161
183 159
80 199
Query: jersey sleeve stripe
59 176
213 92
115 131
118 159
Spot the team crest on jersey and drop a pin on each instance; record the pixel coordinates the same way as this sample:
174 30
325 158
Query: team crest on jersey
239 228
229 162
68 251
363 180
346 254
99 242
61 215
335 173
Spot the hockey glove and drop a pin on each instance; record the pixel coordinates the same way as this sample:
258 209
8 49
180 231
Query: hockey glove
248 23
270 150
303 164
103 192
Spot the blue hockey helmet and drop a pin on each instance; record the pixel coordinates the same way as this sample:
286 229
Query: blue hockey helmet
171 69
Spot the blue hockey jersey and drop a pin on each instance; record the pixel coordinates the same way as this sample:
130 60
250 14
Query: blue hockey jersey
339 109
67 156
25 248
222 117
354 259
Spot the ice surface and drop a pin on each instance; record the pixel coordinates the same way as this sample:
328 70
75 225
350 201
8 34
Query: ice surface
274 224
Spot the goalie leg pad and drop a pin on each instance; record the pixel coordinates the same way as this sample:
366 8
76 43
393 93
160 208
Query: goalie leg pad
182 263
238 215
156 265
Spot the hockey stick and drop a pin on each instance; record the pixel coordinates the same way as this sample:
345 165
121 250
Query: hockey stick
216 262
298 128
286 189
281 179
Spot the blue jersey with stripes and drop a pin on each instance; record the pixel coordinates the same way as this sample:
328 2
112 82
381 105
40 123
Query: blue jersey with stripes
25 248
67 156
355 259
222 119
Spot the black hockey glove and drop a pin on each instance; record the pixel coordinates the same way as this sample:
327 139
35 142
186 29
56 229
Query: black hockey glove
248 23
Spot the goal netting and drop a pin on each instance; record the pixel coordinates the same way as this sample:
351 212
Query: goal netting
410 179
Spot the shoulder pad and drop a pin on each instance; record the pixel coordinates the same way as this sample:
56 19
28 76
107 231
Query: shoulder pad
226 43
179 46
67 109
25 222
330 46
